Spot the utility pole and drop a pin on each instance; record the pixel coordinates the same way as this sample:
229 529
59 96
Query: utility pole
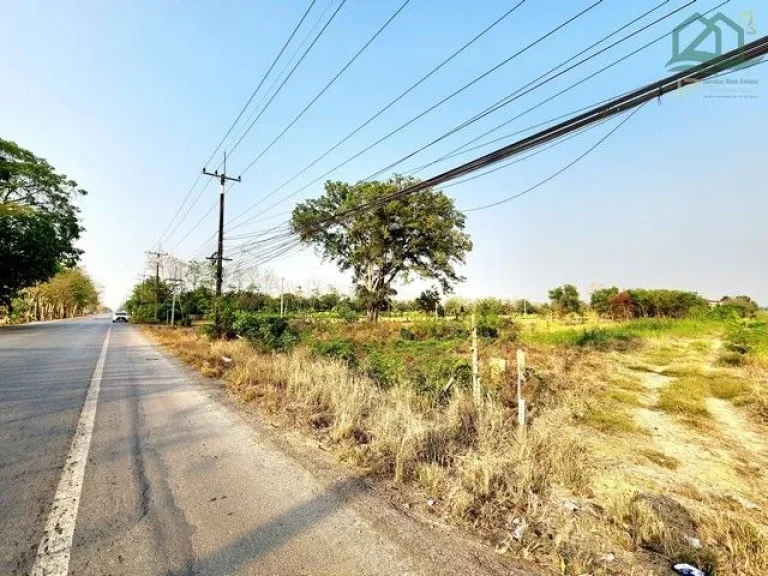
521 364
174 283
220 253
157 255
282 291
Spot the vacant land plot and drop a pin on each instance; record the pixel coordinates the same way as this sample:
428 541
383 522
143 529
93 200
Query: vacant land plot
646 442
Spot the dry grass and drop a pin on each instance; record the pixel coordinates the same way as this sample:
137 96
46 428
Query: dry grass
560 481
685 396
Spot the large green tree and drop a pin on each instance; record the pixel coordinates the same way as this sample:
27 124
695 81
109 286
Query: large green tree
39 222
565 299
419 235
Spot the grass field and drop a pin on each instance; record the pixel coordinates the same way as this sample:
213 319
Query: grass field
646 445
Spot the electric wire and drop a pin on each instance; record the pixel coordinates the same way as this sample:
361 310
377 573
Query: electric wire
561 170
237 119
327 86
632 100
450 96
543 80
391 103
501 103
288 77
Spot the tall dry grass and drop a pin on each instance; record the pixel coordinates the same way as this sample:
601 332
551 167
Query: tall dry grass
530 492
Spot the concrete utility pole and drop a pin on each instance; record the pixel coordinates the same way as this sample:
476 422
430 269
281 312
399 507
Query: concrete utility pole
477 392
220 253
174 282
282 291
157 255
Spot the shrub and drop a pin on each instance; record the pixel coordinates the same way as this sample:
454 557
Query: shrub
439 329
602 339
383 369
739 306
336 348
346 313
268 331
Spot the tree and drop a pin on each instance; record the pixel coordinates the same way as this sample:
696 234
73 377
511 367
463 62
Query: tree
68 294
141 304
428 301
599 300
565 299
421 235
742 306
620 305
38 221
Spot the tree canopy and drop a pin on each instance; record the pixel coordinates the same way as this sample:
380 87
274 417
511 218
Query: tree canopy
420 235
565 299
39 222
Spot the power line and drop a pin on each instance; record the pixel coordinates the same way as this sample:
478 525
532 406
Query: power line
391 103
279 88
287 65
631 100
563 169
237 119
261 82
264 108
328 85
522 158
450 96
636 99
519 93
543 80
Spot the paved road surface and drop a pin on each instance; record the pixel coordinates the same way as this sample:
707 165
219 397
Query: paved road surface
176 481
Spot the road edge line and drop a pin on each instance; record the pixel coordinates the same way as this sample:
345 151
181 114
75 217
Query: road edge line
53 554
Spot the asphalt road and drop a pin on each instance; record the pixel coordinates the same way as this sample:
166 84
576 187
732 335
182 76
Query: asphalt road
120 461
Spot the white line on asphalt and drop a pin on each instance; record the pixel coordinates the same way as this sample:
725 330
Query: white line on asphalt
53 553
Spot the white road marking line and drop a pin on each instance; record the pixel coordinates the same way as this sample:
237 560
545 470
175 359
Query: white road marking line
53 553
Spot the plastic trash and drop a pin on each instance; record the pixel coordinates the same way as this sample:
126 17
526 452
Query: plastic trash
688 570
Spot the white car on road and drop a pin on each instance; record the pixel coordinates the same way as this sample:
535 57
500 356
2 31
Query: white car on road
120 317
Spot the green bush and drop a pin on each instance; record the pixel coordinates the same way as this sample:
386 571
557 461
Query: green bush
437 329
602 339
346 313
269 331
382 368
336 348
739 337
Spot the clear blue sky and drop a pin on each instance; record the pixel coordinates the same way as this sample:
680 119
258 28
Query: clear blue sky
131 98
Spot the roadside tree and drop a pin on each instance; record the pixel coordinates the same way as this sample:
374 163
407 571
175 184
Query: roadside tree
39 222
420 235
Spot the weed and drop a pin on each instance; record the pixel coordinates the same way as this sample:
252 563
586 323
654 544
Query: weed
685 396
661 459
336 348
377 395
728 387
732 359
607 419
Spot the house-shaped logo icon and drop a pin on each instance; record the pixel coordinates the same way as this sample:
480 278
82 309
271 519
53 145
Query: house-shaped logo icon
714 28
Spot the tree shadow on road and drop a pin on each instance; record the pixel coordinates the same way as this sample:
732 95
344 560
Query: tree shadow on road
277 532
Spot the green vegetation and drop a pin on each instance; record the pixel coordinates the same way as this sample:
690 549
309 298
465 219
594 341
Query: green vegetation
39 222
565 299
68 294
420 235
394 398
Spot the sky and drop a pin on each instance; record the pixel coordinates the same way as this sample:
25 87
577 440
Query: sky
131 99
